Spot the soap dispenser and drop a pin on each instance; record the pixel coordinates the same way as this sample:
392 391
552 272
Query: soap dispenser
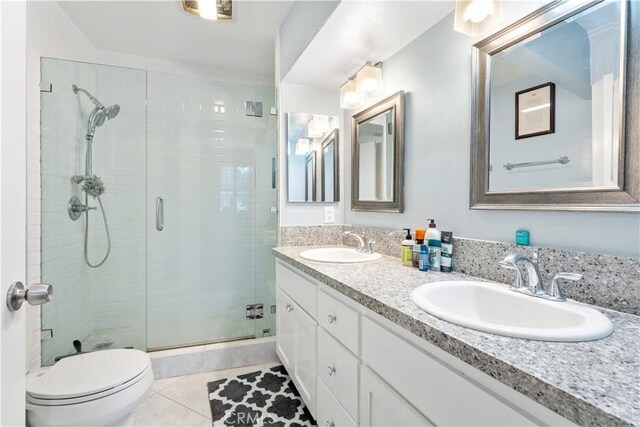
407 249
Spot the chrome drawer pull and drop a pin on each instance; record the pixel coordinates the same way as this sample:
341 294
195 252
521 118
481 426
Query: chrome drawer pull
332 318
331 370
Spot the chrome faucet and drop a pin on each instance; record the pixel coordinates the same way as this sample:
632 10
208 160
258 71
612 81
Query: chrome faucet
363 245
534 285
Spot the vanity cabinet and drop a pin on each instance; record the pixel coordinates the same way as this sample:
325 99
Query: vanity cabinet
354 367
296 341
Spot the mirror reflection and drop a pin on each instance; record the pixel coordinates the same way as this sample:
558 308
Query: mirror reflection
376 158
312 158
556 106
329 186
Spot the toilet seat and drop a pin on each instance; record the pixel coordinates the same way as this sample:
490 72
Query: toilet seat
99 388
87 376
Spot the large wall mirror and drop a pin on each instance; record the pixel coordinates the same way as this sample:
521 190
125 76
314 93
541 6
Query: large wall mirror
377 156
556 110
312 158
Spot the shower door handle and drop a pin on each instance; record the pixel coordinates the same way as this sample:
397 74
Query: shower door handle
159 213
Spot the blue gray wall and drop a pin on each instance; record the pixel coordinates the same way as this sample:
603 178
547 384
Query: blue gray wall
435 71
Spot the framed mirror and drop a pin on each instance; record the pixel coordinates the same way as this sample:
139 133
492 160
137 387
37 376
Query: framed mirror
377 157
310 138
330 190
555 124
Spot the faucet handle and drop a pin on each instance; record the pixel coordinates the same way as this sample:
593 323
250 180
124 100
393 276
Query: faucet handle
554 293
510 265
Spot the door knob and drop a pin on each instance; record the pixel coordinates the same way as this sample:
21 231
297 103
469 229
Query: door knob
37 294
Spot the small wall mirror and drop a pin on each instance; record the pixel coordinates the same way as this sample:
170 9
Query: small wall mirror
552 129
377 156
312 158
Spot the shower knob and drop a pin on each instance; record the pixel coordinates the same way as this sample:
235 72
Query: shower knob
35 295
77 208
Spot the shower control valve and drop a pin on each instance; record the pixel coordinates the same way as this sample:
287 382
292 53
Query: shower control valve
77 208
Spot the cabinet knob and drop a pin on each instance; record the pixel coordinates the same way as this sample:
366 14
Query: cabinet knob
331 370
332 318
330 424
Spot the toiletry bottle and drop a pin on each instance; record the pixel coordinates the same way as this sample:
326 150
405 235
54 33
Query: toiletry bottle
416 247
434 246
447 251
407 249
423 260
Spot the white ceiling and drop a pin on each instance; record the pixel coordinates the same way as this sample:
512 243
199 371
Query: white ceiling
161 29
360 31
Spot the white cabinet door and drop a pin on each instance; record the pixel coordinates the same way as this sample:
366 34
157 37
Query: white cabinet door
285 338
305 355
380 405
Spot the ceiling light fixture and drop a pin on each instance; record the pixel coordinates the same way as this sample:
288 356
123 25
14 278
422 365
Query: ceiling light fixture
209 9
476 16
365 83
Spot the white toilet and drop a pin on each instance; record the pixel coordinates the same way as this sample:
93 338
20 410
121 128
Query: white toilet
92 389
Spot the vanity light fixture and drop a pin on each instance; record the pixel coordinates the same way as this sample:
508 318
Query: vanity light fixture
302 147
349 97
475 16
363 84
209 9
369 79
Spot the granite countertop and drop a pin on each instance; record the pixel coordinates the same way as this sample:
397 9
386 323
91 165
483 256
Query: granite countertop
589 383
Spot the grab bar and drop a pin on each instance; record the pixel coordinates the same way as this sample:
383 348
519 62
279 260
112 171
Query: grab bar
159 213
562 160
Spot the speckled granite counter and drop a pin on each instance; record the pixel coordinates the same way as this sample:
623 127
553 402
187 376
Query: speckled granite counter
589 383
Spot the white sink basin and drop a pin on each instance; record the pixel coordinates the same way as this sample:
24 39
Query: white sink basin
489 307
339 255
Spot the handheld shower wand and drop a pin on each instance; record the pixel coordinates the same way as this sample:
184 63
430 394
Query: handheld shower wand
91 184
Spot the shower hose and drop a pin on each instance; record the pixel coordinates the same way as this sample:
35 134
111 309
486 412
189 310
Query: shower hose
86 234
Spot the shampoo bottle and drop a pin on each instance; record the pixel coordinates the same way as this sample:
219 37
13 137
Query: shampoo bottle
434 245
447 251
420 232
407 249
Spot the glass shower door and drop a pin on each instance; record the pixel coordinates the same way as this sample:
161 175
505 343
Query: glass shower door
206 240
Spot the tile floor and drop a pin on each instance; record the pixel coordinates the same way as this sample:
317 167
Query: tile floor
183 401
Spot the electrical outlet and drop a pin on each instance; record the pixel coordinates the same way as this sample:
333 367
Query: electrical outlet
329 215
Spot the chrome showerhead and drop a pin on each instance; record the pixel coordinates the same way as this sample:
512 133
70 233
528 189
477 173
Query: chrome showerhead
99 114
112 111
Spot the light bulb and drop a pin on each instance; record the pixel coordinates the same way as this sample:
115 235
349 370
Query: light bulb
208 9
478 10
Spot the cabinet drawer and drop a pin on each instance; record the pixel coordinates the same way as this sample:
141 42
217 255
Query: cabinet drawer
301 291
329 412
338 368
443 395
340 320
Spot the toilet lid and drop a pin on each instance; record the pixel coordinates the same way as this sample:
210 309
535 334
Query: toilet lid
89 373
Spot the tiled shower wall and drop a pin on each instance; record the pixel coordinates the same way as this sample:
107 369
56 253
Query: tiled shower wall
111 298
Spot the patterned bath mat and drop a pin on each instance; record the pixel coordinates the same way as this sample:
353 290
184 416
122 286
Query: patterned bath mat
261 398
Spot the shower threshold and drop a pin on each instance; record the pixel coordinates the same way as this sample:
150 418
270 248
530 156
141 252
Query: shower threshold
199 344
213 357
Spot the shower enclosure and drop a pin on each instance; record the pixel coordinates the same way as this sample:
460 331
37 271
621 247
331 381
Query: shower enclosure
183 172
